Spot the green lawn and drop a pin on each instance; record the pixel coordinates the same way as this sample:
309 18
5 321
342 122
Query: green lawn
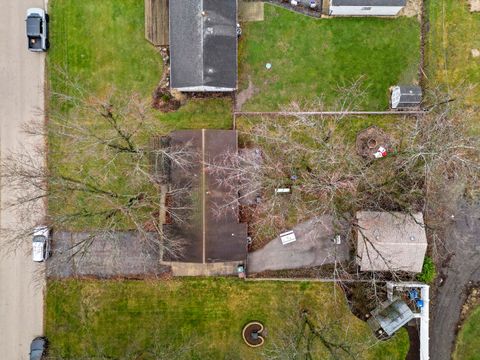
468 340
98 52
312 58
200 319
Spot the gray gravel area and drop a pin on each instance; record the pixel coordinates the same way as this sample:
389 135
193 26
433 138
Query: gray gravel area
314 247
463 240
104 255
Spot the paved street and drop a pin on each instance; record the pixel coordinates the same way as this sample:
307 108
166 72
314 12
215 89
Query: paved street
21 97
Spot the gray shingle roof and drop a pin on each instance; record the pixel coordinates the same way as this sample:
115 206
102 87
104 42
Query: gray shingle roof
368 2
203 44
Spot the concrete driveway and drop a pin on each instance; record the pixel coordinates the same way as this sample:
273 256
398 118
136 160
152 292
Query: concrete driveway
123 254
21 97
314 247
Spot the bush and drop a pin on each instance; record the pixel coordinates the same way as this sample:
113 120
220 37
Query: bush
429 271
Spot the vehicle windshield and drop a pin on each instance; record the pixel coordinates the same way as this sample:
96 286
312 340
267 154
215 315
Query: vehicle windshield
34 25
39 238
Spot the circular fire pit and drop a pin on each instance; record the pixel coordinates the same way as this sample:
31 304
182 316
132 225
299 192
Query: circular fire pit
252 334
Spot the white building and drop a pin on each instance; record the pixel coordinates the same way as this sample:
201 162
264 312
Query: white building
365 7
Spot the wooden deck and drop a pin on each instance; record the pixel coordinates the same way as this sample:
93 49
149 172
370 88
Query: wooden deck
156 22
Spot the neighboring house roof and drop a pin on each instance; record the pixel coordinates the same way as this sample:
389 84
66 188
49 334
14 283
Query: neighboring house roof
368 2
211 231
390 241
203 45
391 316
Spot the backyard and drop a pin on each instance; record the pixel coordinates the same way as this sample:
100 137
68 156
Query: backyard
453 35
203 319
314 58
468 340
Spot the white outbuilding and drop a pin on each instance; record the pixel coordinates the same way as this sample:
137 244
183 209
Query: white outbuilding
366 7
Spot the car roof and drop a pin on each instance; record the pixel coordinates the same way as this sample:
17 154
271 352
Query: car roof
37 348
37 251
33 24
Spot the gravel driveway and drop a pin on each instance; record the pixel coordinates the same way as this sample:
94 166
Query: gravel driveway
463 240
314 247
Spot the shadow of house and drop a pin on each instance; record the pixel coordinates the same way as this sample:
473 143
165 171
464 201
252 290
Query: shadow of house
208 224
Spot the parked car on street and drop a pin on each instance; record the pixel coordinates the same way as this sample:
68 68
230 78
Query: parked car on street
37 29
41 243
38 348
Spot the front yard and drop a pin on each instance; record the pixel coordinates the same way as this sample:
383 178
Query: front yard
203 319
314 58
99 56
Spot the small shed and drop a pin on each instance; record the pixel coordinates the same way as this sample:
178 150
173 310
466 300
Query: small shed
366 7
390 241
390 317
406 96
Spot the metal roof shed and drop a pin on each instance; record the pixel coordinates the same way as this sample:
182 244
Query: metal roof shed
390 317
203 45
406 96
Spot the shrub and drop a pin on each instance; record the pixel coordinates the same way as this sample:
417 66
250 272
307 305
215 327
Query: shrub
429 271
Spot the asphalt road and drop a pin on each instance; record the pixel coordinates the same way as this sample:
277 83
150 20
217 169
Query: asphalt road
21 97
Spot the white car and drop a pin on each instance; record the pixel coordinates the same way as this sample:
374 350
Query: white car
41 243
37 29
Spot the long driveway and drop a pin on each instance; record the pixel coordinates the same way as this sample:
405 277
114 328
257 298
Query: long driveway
463 240
21 97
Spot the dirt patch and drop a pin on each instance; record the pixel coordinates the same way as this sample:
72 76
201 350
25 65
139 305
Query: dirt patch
473 300
244 95
412 9
250 10
474 5
164 100
475 53
370 140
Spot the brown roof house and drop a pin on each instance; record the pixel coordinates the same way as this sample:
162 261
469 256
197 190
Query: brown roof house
210 230
390 241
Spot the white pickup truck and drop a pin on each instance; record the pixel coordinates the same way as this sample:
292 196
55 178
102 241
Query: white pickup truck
37 29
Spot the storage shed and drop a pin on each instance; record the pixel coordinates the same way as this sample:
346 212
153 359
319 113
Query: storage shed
390 241
390 317
406 96
366 7
203 45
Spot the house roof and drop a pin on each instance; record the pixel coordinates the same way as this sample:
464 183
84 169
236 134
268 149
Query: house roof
368 2
391 316
203 45
390 241
211 232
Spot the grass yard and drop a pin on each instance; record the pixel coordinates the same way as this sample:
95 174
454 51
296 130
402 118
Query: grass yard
314 58
98 51
453 34
201 319
468 340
